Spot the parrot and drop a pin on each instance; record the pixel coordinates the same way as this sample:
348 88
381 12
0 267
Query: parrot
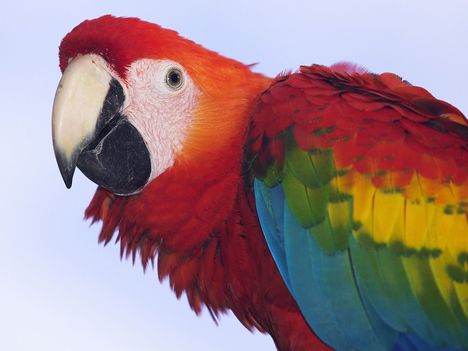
326 207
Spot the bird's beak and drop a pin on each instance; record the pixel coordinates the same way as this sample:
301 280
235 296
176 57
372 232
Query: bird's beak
90 131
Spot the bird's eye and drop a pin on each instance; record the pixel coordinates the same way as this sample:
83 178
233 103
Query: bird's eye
174 78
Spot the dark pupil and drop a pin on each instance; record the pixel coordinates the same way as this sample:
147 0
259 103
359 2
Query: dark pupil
174 78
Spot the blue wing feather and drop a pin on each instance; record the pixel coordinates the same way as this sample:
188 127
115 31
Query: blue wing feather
329 296
338 301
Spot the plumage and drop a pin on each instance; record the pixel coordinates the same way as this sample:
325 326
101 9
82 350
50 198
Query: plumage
326 207
372 188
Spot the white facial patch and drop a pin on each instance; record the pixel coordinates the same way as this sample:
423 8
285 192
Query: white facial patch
160 110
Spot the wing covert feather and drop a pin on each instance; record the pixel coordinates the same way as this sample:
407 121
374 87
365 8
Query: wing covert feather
369 177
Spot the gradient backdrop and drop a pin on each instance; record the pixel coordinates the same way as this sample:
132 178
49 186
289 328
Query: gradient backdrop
59 290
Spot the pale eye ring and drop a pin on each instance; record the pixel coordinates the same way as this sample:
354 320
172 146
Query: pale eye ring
174 78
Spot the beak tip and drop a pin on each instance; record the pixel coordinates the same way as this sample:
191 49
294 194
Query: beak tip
67 175
67 168
68 183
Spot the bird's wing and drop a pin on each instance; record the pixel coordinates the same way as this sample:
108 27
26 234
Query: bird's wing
361 188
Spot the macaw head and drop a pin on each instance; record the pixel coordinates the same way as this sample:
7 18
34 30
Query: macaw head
136 99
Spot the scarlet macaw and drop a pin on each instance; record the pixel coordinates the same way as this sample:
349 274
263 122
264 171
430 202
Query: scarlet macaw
326 207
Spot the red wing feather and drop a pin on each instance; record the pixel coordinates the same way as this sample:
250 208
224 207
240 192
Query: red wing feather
375 122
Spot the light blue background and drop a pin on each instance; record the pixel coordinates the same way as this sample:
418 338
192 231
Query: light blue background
59 290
